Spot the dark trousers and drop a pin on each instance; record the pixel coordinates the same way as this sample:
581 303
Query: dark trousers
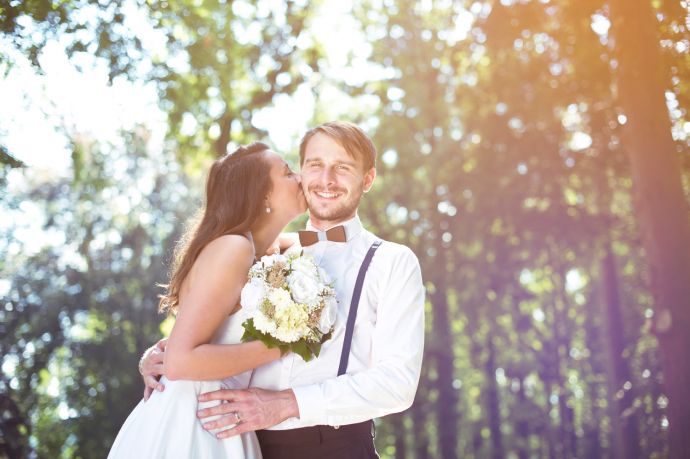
354 441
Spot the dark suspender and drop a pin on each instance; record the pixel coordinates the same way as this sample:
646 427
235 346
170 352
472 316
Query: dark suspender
352 315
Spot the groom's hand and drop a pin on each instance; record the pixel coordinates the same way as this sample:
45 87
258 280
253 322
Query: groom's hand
247 410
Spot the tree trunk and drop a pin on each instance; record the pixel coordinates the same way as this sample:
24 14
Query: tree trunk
221 144
14 427
447 405
522 427
626 440
661 207
419 420
396 423
493 402
563 339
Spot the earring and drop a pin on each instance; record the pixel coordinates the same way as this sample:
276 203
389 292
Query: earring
268 210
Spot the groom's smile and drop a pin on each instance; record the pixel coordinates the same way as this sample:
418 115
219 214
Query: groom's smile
327 195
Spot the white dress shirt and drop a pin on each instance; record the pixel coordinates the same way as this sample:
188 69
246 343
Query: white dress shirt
386 354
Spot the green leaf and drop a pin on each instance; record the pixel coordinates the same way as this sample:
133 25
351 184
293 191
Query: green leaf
304 348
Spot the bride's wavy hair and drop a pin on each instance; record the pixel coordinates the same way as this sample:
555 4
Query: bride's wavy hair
236 186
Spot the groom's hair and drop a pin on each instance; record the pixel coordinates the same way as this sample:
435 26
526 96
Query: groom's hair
349 136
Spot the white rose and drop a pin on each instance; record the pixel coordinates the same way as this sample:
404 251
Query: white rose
305 266
328 315
304 289
252 294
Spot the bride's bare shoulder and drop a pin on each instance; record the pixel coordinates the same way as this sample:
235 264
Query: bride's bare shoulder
229 248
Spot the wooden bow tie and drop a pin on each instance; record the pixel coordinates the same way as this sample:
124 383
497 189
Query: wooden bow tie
335 234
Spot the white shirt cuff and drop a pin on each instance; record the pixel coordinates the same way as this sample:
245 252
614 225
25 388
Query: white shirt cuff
311 404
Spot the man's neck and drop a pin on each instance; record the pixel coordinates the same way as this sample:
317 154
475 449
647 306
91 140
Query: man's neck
325 225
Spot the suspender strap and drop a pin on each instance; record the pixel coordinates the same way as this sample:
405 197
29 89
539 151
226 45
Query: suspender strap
352 315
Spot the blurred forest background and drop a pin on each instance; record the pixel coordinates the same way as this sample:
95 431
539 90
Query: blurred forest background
533 153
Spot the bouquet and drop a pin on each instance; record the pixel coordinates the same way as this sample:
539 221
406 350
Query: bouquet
290 304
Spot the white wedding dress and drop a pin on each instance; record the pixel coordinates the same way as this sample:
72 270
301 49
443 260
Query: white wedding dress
166 425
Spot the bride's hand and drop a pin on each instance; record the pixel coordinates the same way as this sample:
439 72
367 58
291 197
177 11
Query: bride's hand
284 242
151 368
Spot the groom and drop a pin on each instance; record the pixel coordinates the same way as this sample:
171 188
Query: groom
324 408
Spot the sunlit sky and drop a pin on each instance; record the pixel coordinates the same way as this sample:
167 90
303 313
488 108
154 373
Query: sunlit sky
34 106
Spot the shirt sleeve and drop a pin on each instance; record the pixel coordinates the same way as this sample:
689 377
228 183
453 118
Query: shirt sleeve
389 384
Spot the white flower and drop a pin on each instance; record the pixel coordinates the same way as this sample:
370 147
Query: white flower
328 315
255 271
286 335
263 323
280 298
304 288
253 294
289 307
270 260
291 322
305 266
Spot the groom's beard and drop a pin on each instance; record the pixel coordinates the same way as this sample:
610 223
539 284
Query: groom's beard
340 212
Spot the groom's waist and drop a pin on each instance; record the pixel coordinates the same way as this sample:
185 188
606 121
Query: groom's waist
314 435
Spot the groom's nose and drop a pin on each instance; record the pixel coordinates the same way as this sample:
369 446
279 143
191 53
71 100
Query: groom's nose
327 176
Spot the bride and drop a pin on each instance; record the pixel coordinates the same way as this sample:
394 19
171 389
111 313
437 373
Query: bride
251 195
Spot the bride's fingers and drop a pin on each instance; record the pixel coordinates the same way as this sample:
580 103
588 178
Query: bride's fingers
147 392
153 365
152 383
160 345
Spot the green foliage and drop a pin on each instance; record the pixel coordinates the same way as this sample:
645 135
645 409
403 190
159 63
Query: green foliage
223 63
215 63
80 310
486 176
501 164
304 348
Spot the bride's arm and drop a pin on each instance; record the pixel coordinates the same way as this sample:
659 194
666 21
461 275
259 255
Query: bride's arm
208 295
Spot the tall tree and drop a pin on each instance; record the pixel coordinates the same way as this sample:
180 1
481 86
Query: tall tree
216 65
642 80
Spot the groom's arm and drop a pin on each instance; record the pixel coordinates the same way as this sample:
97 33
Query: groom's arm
388 386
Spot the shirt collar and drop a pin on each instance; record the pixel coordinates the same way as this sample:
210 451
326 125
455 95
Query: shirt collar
352 227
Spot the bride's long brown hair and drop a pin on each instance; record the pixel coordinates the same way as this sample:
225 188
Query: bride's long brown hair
235 190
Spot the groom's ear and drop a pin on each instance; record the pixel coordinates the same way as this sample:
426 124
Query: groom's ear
369 179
